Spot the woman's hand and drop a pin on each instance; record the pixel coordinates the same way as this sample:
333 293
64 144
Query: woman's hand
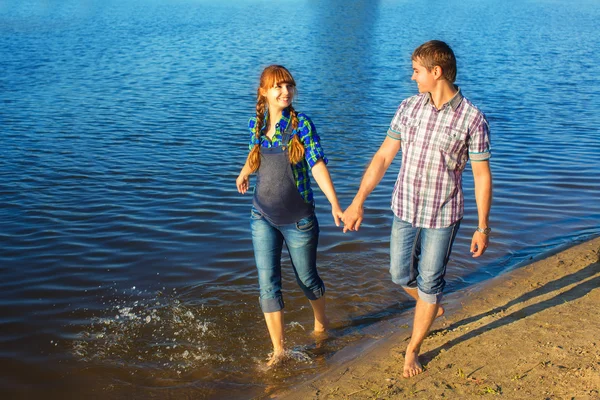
242 183
337 213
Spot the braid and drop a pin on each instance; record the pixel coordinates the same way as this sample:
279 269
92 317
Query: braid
254 156
296 149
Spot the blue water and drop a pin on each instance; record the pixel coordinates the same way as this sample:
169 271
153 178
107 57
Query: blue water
126 266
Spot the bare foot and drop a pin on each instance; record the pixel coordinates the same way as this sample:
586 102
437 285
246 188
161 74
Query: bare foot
321 326
440 311
412 366
276 359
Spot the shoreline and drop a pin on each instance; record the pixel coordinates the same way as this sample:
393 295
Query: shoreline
530 333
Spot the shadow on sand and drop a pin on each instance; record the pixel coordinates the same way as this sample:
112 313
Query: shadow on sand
583 287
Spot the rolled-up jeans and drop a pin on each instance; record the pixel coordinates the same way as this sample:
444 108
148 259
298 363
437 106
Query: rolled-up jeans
301 239
418 257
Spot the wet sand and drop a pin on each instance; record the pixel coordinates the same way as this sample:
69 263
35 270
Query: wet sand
533 333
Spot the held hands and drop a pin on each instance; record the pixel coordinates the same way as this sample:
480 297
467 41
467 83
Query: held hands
479 243
352 217
242 183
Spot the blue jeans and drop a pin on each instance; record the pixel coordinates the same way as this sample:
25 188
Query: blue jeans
301 239
418 257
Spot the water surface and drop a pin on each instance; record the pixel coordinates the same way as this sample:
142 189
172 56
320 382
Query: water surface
126 266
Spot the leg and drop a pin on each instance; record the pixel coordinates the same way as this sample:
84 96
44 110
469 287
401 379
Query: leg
425 313
268 243
436 245
414 293
321 321
275 325
301 240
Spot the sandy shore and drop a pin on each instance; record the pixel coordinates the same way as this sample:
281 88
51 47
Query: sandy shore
533 333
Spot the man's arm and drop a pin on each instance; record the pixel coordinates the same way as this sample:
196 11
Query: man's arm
379 164
483 196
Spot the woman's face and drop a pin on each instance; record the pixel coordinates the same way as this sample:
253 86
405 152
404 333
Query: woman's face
279 96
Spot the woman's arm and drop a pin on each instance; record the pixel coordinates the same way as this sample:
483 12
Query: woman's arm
323 179
242 181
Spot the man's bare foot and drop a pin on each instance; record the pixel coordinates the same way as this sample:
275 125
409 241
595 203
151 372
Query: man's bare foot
412 366
440 311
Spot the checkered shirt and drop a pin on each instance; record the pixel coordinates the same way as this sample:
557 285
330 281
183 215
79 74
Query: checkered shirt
307 133
436 145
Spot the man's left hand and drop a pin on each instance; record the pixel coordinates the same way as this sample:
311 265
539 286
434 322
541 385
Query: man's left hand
479 243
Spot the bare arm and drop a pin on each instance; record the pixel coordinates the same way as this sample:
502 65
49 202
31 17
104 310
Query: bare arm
323 179
379 164
483 196
242 181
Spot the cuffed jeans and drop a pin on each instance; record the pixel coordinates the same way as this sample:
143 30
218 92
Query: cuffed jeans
301 239
418 257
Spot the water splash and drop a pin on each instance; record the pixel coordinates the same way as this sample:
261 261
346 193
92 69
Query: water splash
161 333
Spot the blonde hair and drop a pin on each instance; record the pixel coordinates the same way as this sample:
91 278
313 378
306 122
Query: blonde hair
271 76
436 52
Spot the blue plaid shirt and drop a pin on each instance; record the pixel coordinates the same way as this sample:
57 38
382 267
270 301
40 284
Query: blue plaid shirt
307 133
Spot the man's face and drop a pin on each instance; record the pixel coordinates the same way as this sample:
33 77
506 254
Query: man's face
425 79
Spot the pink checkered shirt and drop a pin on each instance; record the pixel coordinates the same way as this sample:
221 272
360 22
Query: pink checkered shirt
436 145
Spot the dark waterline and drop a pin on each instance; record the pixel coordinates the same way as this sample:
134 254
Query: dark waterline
125 256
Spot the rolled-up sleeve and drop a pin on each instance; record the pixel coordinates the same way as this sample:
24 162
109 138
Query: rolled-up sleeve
251 127
394 131
479 143
309 137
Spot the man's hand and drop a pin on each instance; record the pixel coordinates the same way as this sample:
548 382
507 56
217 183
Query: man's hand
479 243
353 217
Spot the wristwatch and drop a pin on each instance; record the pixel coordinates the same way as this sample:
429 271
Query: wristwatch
485 231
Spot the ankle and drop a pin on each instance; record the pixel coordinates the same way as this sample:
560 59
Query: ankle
278 351
413 349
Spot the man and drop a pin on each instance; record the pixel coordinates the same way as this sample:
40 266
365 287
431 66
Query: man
438 130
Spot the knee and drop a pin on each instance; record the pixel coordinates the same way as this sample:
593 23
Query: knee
315 294
312 286
430 290
431 298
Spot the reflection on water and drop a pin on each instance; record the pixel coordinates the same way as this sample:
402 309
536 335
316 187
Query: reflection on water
125 253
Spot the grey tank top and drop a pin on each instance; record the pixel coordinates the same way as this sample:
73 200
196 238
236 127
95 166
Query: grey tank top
276 195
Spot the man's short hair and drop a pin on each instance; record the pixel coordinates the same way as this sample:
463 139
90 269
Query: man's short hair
436 52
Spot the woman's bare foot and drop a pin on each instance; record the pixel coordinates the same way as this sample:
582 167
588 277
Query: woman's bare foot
321 326
412 366
276 359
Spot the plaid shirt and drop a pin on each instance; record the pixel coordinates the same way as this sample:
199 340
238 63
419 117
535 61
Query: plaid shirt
308 136
436 145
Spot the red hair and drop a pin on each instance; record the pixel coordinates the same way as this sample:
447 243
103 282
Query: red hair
271 76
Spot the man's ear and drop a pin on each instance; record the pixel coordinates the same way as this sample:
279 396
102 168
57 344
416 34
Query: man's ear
437 72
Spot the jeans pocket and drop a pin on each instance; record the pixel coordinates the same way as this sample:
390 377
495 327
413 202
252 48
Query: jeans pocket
306 223
255 214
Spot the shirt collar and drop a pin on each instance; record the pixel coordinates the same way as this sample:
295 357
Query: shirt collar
283 122
454 102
